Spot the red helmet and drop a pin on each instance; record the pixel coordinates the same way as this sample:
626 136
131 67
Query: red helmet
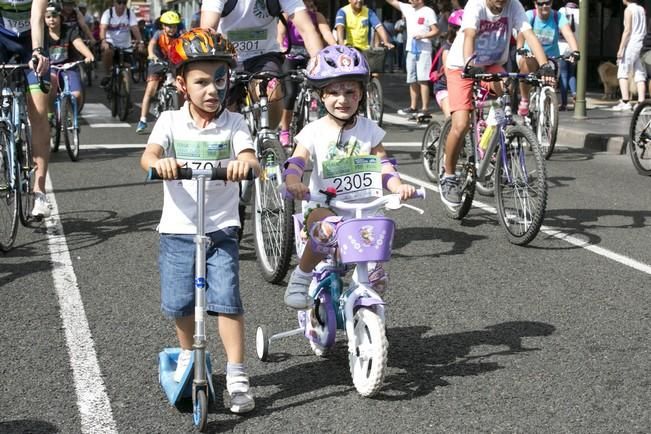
201 44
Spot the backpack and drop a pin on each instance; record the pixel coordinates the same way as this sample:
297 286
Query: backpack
111 14
535 13
435 73
273 6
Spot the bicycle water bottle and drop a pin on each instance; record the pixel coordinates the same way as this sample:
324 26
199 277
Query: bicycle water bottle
492 121
271 167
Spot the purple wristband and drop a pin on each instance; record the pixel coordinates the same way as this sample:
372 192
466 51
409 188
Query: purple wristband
386 177
292 171
297 161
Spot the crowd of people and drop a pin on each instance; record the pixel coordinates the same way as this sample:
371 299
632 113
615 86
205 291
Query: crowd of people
482 36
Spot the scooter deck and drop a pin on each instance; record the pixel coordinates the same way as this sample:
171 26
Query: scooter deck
174 391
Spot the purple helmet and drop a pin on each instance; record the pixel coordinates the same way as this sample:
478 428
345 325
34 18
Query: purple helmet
335 63
455 18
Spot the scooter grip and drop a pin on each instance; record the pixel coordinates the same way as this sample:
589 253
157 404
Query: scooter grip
215 174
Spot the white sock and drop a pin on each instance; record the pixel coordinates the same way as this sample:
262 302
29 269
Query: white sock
143 120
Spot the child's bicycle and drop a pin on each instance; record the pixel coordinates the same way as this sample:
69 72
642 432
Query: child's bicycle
359 309
66 113
202 391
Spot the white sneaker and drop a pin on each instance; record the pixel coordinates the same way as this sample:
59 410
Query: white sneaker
296 293
185 356
238 390
622 106
42 207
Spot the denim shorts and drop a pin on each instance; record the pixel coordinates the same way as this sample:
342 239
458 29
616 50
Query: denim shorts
176 262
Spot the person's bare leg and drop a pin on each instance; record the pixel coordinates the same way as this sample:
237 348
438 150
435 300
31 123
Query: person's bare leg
424 96
641 85
37 106
185 331
231 332
623 88
413 95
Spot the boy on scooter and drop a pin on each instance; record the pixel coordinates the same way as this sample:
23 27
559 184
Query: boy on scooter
202 135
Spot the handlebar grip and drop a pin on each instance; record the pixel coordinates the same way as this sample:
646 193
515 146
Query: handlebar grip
214 174
420 193
42 84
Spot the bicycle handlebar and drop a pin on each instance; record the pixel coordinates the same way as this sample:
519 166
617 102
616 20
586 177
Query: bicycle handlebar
214 174
66 66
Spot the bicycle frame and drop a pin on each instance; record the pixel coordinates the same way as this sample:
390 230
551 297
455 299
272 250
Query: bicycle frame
13 112
64 91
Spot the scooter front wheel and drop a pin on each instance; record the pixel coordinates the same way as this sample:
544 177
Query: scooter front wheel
368 359
200 410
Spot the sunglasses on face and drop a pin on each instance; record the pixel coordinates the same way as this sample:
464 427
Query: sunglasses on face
121 2
544 3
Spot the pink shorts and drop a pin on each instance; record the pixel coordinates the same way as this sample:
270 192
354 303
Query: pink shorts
460 89
440 96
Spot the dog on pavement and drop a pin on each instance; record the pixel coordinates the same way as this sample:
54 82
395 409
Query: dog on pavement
608 76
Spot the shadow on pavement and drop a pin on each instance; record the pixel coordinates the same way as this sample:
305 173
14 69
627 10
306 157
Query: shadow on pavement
28 426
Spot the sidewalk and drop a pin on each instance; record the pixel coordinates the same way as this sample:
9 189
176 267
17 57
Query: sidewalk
603 130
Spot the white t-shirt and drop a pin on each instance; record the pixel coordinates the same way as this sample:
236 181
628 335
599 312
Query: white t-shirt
249 26
349 168
493 33
572 15
214 146
418 21
638 24
118 32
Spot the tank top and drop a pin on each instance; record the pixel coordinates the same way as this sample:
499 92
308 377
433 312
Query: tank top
294 35
638 23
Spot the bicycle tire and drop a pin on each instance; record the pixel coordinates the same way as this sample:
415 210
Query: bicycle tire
465 171
113 95
272 215
368 361
27 176
56 129
639 145
547 128
123 92
374 101
135 70
521 185
428 149
71 128
9 197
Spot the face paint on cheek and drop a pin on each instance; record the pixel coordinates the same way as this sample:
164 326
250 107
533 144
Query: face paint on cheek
221 81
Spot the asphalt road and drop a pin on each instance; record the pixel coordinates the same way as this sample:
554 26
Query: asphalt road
484 336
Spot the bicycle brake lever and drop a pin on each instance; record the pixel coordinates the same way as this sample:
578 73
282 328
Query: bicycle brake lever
418 210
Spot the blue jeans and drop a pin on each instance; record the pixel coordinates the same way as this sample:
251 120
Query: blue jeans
568 79
176 262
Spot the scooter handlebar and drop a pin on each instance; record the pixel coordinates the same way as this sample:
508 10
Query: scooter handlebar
214 174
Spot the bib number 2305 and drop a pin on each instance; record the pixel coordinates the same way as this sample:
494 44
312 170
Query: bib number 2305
355 181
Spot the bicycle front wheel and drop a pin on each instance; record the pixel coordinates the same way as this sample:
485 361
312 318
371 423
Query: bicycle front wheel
70 128
368 360
465 171
520 185
9 195
374 101
428 149
273 225
548 122
123 95
640 138
27 175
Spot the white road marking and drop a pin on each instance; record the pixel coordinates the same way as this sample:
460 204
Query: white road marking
99 116
554 233
92 400
402 144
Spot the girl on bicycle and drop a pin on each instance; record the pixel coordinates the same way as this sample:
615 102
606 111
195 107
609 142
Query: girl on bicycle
441 85
62 40
346 153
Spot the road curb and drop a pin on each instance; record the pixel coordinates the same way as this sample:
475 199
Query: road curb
598 142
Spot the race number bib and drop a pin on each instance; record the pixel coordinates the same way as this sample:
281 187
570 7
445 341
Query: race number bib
17 22
355 177
248 40
201 155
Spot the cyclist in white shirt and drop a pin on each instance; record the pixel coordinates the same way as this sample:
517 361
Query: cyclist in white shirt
115 29
252 28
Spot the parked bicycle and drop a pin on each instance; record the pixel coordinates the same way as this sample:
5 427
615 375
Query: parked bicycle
358 309
17 170
118 89
639 146
272 213
514 154
66 113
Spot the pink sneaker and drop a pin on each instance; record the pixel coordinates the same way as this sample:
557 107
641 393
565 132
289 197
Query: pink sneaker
523 107
284 138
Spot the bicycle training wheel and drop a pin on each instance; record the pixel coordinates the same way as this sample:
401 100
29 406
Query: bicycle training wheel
272 215
428 149
464 170
123 95
548 122
9 196
70 130
374 101
520 185
640 133
368 360
27 175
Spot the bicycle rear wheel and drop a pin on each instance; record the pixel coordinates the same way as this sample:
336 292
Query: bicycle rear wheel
428 149
640 133
272 215
521 185
374 101
465 171
123 95
70 129
27 175
548 122
9 194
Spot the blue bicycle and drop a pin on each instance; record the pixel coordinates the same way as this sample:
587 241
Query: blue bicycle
66 113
